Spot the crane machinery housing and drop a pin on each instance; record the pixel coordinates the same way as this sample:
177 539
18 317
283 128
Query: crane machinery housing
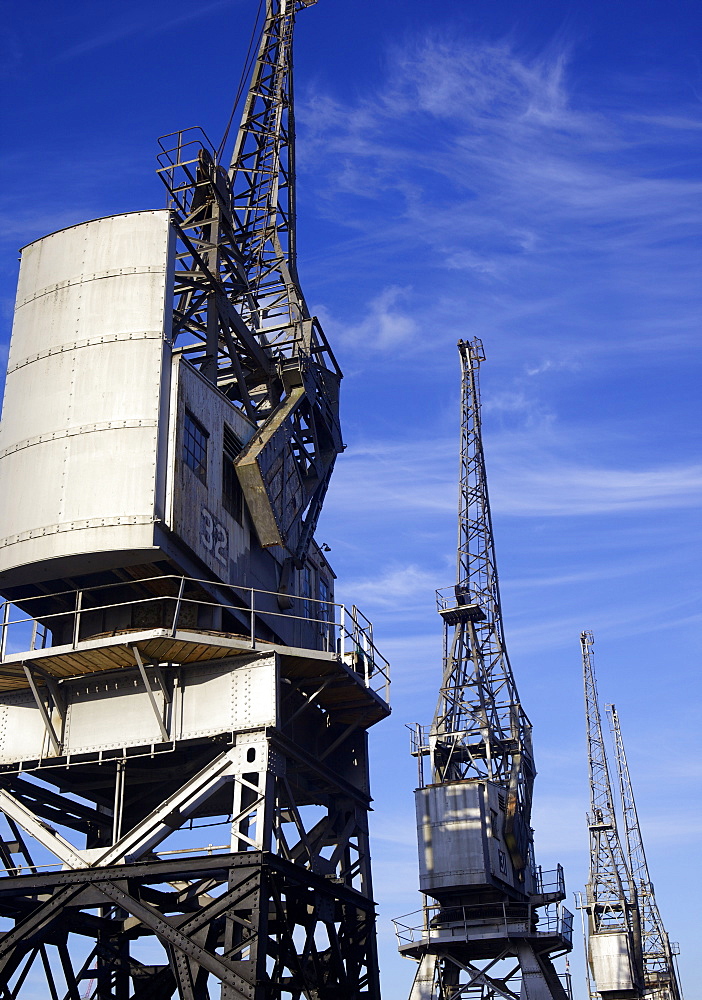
493 921
171 653
629 953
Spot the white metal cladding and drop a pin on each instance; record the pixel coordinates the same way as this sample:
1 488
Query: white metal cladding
610 962
23 735
104 713
115 711
86 397
460 828
227 697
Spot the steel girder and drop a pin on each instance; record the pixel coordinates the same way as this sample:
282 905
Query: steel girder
286 913
261 928
239 312
517 973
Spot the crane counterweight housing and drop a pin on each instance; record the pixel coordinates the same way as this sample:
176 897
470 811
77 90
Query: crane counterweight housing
463 845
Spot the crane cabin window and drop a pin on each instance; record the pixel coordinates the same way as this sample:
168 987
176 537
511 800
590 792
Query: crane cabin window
232 496
195 446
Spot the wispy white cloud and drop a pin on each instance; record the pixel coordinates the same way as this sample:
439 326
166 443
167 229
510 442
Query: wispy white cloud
502 175
141 23
395 588
565 489
527 479
387 324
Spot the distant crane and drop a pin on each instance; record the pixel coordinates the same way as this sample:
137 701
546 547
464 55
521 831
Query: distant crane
660 975
473 815
614 929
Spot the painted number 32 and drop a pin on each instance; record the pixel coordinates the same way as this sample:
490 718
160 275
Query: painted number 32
213 537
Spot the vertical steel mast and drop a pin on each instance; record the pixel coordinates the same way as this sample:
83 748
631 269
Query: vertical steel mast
480 729
660 976
612 904
473 814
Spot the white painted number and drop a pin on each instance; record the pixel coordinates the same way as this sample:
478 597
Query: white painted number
221 543
206 536
214 537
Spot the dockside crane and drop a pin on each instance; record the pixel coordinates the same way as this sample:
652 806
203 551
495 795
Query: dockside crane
173 658
615 951
660 974
492 921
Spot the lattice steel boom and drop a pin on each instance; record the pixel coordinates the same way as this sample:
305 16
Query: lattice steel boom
479 727
239 312
660 975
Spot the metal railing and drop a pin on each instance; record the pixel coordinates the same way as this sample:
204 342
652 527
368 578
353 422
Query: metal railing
264 617
451 597
439 923
550 883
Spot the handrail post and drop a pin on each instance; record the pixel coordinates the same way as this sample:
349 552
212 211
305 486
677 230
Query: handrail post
253 619
342 629
179 600
5 619
76 623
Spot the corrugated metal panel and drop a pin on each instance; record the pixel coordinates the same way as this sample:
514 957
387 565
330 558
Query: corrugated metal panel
195 511
610 962
460 828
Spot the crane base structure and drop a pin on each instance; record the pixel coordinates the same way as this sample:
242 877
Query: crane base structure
166 738
184 708
486 950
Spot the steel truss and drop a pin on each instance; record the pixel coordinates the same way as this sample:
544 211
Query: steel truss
239 313
516 973
480 729
284 909
285 912
485 936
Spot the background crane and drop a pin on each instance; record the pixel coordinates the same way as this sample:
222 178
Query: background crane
473 816
614 931
660 976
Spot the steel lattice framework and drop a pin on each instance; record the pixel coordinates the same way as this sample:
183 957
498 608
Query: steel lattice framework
486 936
247 709
239 313
479 727
660 977
612 901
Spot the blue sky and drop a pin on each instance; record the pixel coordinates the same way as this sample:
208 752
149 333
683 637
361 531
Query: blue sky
527 174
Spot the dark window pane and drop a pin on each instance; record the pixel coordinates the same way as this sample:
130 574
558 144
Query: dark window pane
232 497
195 446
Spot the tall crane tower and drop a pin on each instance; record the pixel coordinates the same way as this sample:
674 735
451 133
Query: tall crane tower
659 972
184 708
492 921
612 902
